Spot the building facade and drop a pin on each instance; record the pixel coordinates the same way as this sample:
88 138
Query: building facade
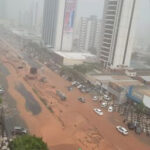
58 23
49 22
117 32
83 33
89 34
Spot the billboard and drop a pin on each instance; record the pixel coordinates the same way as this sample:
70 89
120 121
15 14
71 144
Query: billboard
70 10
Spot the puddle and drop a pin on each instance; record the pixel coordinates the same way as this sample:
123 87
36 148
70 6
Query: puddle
3 74
31 104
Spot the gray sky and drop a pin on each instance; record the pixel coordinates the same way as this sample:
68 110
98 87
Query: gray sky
143 20
90 7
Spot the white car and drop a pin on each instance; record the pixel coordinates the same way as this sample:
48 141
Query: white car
122 130
110 109
19 131
79 86
95 98
2 90
106 97
104 104
98 111
74 83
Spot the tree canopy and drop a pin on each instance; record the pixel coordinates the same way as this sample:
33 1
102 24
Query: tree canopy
27 142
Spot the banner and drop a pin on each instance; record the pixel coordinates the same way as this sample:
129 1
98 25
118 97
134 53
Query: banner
69 15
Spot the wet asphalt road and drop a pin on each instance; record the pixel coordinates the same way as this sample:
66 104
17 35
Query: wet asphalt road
11 114
31 104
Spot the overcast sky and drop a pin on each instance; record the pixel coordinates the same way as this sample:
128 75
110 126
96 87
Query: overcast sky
90 7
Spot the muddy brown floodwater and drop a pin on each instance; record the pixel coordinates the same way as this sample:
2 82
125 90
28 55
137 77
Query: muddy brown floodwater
71 124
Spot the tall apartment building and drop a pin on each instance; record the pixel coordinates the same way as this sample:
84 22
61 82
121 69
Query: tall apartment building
37 16
58 21
83 33
98 35
117 32
89 35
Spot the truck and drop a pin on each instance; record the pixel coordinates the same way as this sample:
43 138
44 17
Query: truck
61 95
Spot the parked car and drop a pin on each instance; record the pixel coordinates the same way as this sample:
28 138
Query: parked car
70 88
2 91
131 126
79 86
104 104
61 95
88 90
19 131
83 90
98 111
122 130
138 130
95 98
74 83
106 97
81 99
110 109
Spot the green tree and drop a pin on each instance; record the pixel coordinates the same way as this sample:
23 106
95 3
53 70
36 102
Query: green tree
140 108
1 100
27 142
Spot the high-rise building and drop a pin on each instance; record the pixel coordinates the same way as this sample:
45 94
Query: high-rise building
58 23
117 32
97 35
83 33
36 16
89 35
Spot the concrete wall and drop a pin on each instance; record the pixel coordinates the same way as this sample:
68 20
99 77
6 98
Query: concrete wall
123 35
118 95
71 62
59 24
57 58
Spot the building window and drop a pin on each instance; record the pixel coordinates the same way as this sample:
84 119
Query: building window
105 54
107 40
108 26
112 7
104 58
111 12
110 22
106 45
107 36
110 17
105 49
112 2
108 31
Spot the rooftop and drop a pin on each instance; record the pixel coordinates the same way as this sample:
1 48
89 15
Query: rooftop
146 78
75 55
143 90
109 78
128 83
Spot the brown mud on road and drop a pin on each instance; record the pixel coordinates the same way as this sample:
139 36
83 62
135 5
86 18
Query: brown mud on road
64 125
